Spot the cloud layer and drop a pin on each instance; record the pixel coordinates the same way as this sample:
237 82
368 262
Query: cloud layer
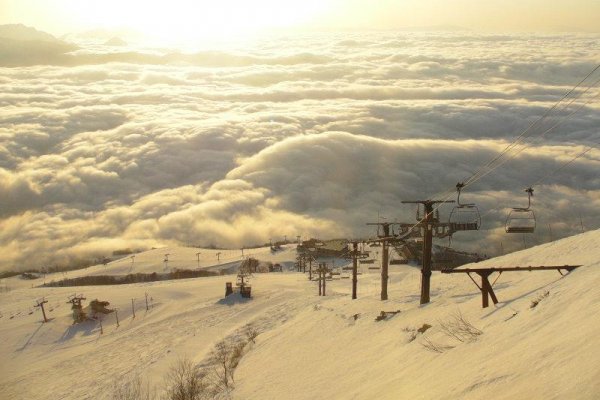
312 135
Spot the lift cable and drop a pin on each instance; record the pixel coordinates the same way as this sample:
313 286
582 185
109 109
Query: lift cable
487 168
491 165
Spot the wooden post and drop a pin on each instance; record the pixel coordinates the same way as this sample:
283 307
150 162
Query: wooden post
324 277
384 262
310 268
355 255
320 281
101 329
117 316
132 308
146 300
427 248
40 304
486 289
429 223
354 269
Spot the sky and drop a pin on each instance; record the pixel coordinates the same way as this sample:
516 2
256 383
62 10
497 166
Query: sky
106 147
181 19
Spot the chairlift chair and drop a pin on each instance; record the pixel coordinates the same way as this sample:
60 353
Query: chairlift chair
521 219
464 217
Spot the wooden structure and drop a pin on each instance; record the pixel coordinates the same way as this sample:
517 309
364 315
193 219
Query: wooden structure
442 257
78 313
385 315
243 285
486 287
327 248
355 255
275 268
249 266
40 304
322 270
430 224
385 238
100 307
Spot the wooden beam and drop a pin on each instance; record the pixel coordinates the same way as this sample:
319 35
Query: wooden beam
486 288
503 269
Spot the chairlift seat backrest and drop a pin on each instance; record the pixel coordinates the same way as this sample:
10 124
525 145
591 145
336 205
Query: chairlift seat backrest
465 217
520 220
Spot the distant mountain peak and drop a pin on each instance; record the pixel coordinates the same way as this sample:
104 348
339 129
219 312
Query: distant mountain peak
25 33
115 41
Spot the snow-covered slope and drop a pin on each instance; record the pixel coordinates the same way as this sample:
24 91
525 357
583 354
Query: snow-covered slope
147 262
324 347
187 258
551 351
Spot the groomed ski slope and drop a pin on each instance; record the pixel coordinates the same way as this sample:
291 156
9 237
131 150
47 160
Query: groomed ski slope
551 351
314 347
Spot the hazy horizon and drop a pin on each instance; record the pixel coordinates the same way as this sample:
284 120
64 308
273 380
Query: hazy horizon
183 19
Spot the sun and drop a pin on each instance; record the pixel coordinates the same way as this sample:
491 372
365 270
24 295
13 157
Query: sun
184 20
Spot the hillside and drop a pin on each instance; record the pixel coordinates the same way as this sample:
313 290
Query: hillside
330 347
546 352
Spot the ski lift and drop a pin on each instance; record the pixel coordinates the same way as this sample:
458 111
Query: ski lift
464 217
521 219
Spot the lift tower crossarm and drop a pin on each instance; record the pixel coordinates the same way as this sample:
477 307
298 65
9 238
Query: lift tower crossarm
429 225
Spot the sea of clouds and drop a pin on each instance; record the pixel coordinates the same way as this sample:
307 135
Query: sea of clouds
105 148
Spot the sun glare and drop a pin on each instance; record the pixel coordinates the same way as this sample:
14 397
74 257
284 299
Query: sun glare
184 20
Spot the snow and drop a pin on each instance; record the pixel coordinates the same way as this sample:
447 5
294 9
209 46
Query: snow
321 347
